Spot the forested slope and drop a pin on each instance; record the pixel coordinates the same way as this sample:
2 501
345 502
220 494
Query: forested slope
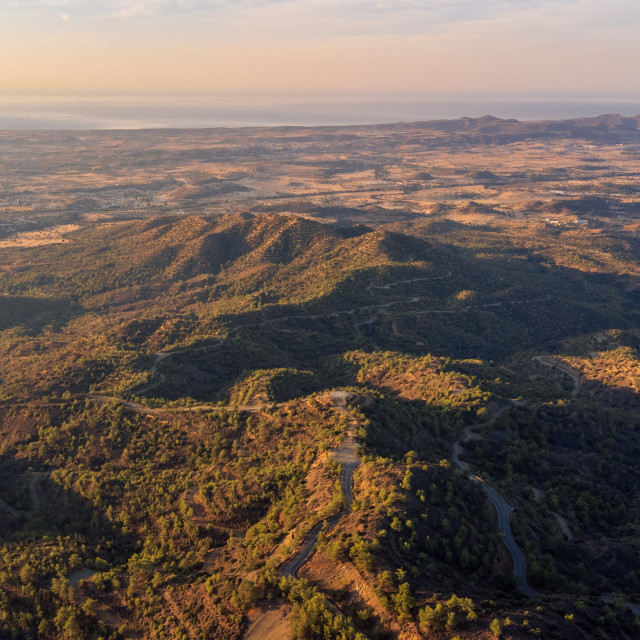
166 429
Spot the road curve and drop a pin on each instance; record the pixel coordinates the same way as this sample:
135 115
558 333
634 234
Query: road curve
501 506
504 524
504 520
346 454
634 608
160 356
549 361
470 434
36 476
291 566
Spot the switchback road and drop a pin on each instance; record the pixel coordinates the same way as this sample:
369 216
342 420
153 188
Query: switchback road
346 454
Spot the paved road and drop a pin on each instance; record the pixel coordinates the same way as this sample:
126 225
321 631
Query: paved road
302 555
346 482
634 608
503 509
504 518
504 524
470 434
346 454
548 361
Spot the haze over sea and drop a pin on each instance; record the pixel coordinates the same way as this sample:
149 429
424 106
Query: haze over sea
140 112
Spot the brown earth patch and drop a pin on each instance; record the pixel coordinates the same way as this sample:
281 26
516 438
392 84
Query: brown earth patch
331 575
53 235
270 622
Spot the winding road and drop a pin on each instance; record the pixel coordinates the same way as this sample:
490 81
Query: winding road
634 608
548 361
160 356
36 477
500 504
504 510
346 454
504 524
470 434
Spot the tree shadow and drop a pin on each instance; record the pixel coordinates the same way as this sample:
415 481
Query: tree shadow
34 314
576 457
464 306
38 507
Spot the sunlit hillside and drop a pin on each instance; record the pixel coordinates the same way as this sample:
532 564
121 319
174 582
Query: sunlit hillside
397 401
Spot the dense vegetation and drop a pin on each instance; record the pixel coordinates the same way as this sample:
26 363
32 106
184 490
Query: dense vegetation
166 424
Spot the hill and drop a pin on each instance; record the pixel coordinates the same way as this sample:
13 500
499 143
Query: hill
202 387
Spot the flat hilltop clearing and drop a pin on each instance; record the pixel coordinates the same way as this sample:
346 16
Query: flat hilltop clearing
196 327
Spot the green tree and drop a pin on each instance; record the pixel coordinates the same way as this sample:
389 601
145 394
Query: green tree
245 596
432 618
404 601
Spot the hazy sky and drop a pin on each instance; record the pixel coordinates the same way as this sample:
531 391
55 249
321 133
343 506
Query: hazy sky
326 45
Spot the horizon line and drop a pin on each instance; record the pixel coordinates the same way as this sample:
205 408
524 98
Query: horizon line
316 126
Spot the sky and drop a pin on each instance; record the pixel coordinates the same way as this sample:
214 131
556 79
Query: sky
305 46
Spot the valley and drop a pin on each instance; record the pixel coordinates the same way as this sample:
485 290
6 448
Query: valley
335 382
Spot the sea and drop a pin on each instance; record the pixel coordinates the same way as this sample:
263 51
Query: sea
83 112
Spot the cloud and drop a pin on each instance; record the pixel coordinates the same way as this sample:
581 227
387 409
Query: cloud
379 41
354 14
139 8
321 18
43 3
